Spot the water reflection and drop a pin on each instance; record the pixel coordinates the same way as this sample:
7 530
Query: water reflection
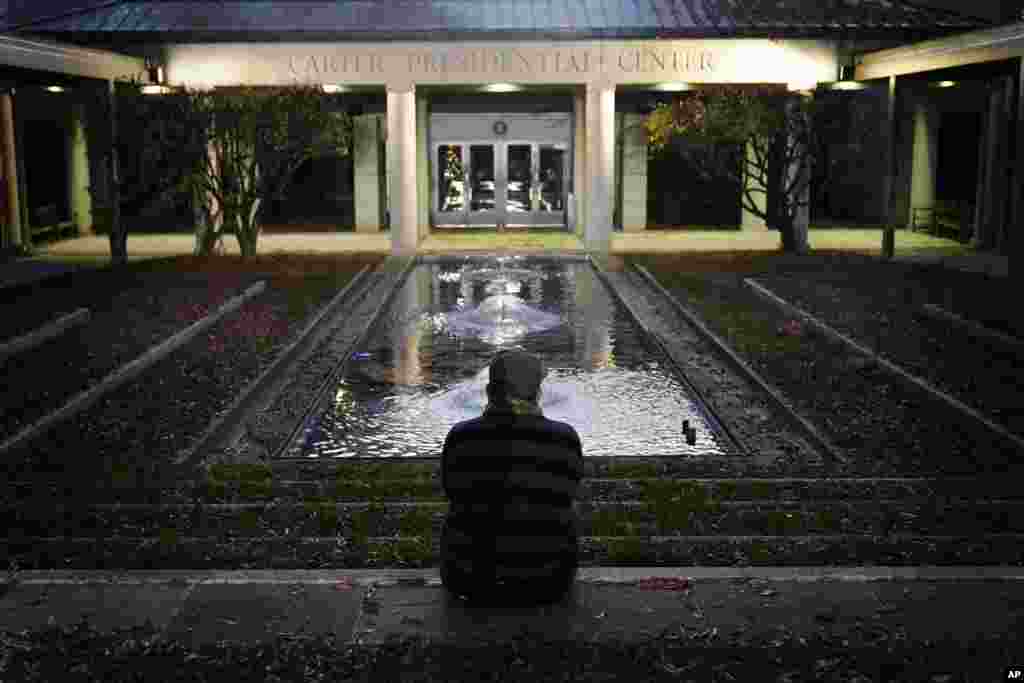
499 319
425 366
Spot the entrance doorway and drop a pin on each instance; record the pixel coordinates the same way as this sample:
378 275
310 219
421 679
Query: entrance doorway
501 184
501 169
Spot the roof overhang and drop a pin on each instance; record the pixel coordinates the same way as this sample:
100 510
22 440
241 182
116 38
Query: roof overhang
42 55
976 47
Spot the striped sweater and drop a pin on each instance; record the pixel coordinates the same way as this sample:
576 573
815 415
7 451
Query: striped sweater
511 481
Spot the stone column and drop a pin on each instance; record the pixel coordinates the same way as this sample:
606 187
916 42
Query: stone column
21 108
401 163
925 155
759 194
889 177
366 172
78 171
579 162
12 214
634 173
1014 248
600 114
1002 188
991 180
423 184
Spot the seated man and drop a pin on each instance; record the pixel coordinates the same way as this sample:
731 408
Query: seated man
511 476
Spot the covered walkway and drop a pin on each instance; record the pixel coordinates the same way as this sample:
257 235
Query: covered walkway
909 246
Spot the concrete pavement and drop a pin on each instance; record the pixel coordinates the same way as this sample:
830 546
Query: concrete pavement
915 605
24 271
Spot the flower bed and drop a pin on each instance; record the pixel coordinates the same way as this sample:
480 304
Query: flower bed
131 312
133 432
984 374
886 427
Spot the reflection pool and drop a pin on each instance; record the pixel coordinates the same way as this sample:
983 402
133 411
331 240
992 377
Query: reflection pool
424 365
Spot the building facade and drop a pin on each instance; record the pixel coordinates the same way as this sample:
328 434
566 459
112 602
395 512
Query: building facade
500 113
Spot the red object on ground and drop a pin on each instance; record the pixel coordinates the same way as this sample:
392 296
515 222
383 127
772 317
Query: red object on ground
791 328
665 583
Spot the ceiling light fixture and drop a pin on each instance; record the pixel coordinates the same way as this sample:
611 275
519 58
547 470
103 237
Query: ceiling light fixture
502 87
848 85
673 87
803 86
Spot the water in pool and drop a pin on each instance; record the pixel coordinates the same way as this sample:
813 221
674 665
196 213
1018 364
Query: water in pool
424 366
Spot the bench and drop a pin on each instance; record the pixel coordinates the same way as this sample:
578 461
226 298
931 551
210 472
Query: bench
43 220
945 219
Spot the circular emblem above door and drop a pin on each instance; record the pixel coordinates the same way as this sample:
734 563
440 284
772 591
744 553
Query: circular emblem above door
500 127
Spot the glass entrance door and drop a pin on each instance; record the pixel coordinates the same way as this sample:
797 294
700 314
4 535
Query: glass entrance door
535 188
515 184
519 185
484 204
552 188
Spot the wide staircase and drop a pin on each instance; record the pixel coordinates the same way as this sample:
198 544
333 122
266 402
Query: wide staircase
633 512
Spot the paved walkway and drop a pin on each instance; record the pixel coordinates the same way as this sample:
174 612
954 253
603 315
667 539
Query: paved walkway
96 248
997 265
605 604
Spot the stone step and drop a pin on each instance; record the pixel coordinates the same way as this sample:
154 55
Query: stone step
356 520
427 488
424 489
335 552
671 466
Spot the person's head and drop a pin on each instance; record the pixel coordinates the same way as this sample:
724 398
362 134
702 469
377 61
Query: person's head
515 379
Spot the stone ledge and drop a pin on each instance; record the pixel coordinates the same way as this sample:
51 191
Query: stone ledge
267 431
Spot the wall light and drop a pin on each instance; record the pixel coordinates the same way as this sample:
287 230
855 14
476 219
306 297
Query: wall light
156 74
333 88
155 90
502 87
55 88
673 87
848 85
945 84
802 86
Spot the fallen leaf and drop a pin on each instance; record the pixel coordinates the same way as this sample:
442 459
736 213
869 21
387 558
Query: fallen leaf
768 593
226 620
